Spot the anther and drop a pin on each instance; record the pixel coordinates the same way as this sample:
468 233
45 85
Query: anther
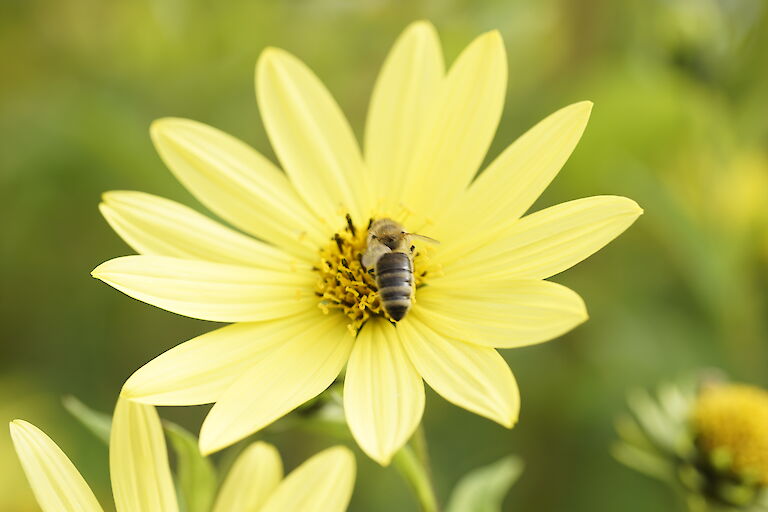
350 225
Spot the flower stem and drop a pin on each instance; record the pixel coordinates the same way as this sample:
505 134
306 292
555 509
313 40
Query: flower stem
412 461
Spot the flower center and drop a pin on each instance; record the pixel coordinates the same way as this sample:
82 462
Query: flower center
731 421
346 285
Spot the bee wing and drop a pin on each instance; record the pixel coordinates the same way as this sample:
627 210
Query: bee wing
424 238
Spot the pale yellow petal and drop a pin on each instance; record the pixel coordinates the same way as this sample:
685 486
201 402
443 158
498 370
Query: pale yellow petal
201 369
503 313
383 392
461 123
138 460
544 243
237 183
323 483
55 481
210 291
254 476
516 178
408 81
470 376
311 137
282 378
156 226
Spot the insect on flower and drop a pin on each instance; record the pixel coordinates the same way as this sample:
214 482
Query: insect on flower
294 278
389 255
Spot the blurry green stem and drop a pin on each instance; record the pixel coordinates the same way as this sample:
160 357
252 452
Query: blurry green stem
412 462
419 444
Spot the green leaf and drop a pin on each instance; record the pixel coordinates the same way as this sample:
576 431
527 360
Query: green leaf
98 423
196 481
483 489
645 461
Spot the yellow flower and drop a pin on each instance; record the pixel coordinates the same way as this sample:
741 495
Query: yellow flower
289 285
141 477
732 420
705 437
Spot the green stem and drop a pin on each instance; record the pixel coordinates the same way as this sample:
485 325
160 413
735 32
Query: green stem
412 462
419 444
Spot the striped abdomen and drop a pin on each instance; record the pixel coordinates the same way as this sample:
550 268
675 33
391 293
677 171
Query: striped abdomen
394 278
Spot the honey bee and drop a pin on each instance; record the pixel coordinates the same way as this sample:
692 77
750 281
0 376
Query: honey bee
389 254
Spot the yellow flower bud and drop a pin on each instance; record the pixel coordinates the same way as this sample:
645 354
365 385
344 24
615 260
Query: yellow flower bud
732 420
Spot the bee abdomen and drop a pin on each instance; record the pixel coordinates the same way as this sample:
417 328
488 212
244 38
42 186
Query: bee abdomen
394 278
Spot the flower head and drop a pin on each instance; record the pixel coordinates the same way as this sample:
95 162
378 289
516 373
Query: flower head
731 421
302 303
708 441
141 476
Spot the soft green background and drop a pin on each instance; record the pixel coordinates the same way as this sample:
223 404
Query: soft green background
679 125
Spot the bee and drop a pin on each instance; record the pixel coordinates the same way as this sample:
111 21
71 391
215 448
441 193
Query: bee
389 254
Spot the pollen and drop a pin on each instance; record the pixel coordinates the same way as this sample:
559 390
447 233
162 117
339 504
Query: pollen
345 285
732 421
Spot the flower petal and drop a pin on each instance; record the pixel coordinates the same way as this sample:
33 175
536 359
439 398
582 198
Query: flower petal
201 369
460 125
516 178
156 226
311 136
383 392
138 460
323 483
544 243
210 291
409 79
254 476
237 183
56 483
279 380
501 314
470 376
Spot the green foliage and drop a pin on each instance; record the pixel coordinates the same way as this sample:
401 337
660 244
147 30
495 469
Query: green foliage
98 423
196 480
484 489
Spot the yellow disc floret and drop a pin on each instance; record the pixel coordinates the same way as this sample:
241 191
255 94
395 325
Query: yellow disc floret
732 419
346 285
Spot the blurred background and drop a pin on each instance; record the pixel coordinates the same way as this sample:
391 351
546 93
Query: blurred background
680 124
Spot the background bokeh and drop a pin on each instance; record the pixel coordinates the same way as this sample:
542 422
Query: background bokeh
680 124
